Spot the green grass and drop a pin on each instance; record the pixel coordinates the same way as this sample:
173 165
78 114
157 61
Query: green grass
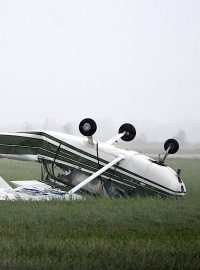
99 233
18 170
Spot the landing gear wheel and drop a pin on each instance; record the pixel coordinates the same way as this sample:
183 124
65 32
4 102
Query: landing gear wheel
87 127
173 146
129 130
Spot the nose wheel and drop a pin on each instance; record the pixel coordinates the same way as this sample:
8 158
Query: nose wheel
171 146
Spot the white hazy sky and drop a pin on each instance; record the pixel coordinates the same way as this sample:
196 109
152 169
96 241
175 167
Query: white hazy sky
127 60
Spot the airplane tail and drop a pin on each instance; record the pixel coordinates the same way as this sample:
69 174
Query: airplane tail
4 184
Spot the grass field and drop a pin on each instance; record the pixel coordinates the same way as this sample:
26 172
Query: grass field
99 233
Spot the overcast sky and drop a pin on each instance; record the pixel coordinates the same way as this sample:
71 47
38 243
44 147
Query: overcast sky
129 61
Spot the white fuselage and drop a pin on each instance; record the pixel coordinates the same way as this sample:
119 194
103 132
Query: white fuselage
135 166
136 171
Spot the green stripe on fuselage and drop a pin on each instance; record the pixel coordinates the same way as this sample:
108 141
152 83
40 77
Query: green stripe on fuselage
94 157
67 145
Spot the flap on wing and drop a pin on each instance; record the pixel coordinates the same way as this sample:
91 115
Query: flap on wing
4 184
31 184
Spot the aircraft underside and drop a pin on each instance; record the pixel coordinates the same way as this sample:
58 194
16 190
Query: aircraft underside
68 177
67 161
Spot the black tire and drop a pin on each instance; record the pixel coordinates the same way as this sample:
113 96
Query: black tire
173 144
87 127
130 132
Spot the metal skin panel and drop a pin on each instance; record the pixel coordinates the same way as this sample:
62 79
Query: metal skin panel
136 172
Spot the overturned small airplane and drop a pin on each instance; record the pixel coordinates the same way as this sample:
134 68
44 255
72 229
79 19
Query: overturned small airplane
84 164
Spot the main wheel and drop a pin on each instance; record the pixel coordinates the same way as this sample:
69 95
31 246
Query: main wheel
87 127
173 146
129 130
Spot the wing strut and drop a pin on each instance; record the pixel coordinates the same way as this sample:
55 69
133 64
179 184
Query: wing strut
93 176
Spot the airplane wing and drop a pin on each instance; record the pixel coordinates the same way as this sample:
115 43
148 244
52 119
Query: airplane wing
96 174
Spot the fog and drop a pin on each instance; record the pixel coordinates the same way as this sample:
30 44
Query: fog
112 60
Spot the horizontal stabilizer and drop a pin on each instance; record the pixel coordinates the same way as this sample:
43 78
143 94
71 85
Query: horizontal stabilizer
4 184
31 184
